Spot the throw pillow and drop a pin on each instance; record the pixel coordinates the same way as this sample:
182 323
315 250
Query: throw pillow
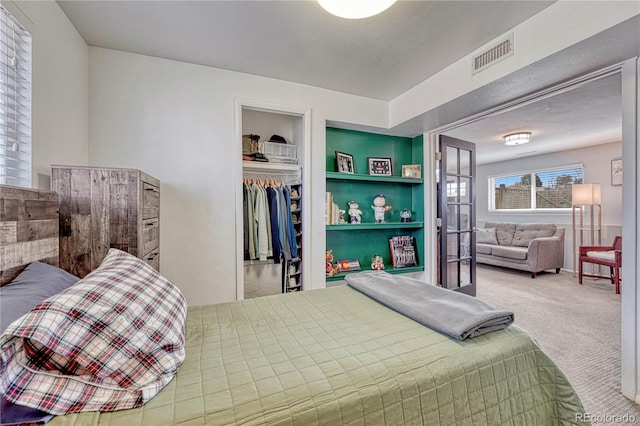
486 236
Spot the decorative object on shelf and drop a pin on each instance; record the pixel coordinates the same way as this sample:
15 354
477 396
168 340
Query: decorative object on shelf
349 265
412 171
377 263
380 166
355 214
403 251
341 219
586 204
616 172
331 269
344 163
250 144
405 215
380 208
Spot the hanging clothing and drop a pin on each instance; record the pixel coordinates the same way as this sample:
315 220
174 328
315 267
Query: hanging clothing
272 197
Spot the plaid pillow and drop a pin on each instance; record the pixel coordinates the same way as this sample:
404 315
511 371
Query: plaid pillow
110 342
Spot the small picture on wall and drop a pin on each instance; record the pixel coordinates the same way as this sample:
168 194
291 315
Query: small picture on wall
344 163
380 166
412 171
616 172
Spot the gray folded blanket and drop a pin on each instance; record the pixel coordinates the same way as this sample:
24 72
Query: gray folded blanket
449 312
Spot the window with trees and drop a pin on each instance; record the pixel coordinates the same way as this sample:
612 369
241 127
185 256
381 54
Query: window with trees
536 190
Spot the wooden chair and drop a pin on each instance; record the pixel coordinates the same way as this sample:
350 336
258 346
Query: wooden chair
610 256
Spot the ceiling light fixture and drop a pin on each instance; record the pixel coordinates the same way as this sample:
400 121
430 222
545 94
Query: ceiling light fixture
517 138
355 9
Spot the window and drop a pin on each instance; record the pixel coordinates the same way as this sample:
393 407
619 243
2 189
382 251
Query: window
545 189
15 102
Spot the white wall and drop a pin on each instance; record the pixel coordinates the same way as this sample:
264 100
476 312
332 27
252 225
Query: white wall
597 169
60 89
175 121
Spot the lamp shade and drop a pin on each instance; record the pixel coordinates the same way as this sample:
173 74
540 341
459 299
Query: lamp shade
583 194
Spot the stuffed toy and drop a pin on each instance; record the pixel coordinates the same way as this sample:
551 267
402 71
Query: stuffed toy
330 268
355 213
380 208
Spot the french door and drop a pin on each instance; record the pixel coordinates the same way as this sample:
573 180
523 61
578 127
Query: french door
457 215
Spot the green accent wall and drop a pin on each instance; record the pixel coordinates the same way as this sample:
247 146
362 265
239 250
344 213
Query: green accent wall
353 241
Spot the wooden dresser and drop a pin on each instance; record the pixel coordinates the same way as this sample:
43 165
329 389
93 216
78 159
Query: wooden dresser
101 208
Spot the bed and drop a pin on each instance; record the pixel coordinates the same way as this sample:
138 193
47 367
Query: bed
335 356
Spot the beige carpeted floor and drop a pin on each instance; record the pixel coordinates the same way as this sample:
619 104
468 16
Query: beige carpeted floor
578 326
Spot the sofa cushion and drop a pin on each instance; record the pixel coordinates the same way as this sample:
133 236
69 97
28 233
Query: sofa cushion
484 248
504 231
486 236
609 256
510 252
525 232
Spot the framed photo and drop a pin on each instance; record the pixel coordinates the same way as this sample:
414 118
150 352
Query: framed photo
344 163
380 166
412 171
616 172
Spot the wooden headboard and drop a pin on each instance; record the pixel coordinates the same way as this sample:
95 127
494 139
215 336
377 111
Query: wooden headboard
28 229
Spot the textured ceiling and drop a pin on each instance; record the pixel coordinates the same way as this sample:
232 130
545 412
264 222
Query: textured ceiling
378 57
587 115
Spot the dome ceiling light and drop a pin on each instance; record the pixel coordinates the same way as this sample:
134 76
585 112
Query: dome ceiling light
517 138
355 9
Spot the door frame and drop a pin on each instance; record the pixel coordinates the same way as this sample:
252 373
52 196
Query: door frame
630 327
304 146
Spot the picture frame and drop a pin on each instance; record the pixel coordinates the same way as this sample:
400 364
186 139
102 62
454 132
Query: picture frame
413 171
344 163
380 166
616 172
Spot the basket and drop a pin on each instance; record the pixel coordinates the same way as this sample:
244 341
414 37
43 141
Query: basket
280 152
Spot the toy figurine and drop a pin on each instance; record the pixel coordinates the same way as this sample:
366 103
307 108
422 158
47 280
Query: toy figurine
405 215
330 268
342 219
355 213
377 263
379 208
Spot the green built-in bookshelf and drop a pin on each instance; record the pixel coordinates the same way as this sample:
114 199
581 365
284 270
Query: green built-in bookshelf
362 241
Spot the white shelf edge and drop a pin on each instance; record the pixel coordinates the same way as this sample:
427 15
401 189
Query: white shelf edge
258 165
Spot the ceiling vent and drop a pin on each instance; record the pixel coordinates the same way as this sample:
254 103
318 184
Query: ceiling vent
499 51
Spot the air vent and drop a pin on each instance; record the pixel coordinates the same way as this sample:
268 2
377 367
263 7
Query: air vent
501 50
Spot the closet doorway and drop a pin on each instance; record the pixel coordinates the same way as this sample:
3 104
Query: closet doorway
272 223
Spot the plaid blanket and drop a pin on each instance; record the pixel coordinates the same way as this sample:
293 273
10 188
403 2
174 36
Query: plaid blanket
110 342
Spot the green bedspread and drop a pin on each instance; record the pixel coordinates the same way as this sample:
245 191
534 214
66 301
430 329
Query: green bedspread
334 356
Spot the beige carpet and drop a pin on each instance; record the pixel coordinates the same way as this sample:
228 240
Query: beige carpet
578 326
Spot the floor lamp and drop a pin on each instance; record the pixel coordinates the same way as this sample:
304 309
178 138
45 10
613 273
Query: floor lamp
586 217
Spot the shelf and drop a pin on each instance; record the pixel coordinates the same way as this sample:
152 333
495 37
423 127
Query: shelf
373 178
260 165
366 226
389 269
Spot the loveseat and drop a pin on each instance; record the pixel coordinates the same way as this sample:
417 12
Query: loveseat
532 247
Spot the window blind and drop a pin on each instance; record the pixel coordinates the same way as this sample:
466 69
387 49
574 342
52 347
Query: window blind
15 102
552 189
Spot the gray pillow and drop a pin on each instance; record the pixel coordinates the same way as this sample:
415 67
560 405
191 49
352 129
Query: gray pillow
486 236
37 282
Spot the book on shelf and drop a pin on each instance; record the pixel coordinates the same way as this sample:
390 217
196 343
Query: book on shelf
403 251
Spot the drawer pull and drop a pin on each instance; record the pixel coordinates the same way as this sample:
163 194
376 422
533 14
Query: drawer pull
153 256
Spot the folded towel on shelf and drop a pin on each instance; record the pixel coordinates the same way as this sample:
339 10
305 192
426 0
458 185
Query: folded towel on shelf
449 312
